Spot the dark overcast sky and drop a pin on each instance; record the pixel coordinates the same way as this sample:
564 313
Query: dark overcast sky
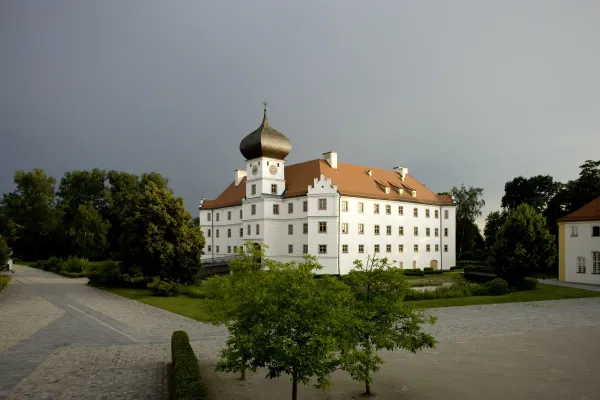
462 91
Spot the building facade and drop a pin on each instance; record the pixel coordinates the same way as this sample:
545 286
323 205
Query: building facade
579 245
336 211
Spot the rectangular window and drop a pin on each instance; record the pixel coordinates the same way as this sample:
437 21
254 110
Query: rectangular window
445 214
322 227
436 214
445 248
361 207
257 229
401 230
290 208
322 204
388 230
208 217
248 230
400 210
581 265
345 227
217 249
388 209
376 248
229 232
427 231
427 213
276 209
305 228
290 229
217 217
322 249
437 247
229 249
361 229
241 214
595 262
574 231
290 248
344 248
414 264
208 233
217 232
361 248
274 188
305 206
376 208
241 232
304 249
416 230
595 231
253 192
388 248
436 232
400 248
229 216
415 212
253 209
428 247
416 248
209 248
445 231
376 229
344 205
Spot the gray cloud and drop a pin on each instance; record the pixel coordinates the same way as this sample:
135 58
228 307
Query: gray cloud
469 91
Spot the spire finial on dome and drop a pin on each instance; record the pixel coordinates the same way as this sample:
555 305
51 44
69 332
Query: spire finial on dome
265 141
265 119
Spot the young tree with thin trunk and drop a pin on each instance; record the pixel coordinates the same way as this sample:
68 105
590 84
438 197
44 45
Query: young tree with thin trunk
380 319
469 203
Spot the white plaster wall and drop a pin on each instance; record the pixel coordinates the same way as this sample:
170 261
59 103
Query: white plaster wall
221 225
581 245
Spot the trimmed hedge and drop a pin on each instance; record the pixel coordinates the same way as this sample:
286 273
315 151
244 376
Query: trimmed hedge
478 268
438 272
186 373
455 268
413 272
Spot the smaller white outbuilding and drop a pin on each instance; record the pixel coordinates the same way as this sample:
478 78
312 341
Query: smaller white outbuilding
579 245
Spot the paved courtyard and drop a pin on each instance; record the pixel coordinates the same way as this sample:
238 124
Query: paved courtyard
61 339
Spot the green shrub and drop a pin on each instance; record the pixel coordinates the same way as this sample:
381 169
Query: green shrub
477 268
192 291
413 272
107 274
432 272
497 287
528 284
427 269
4 251
187 379
162 288
52 264
455 268
75 265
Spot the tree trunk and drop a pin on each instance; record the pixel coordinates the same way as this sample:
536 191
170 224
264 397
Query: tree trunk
243 377
294 389
367 388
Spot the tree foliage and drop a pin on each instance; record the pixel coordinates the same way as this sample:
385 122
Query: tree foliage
159 237
4 251
380 319
536 191
523 245
88 232
493 221
469 203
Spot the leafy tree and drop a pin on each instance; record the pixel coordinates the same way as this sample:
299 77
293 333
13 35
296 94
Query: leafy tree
288 322
81 187
159 237
4 251
380 319
88 232
535 191
523 245
30 213
197 221
123 188
469 203
493 221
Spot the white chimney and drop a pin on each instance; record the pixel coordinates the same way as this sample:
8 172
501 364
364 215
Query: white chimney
239 175
402 172
331 158
370 173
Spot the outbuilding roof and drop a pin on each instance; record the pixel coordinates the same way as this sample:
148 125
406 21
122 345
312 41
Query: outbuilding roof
589 212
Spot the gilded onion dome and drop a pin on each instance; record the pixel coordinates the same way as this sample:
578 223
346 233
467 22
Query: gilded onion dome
265 142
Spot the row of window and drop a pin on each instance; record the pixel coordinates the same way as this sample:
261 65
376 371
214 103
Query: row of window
323 206
361 249
595 231
322 228
581 265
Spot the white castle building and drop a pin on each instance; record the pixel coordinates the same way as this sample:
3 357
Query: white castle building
337 211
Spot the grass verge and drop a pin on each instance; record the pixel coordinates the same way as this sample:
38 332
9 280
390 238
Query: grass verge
446 276
4 281
198 309
543 292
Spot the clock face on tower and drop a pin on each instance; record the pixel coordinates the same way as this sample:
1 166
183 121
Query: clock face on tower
273 170
255 170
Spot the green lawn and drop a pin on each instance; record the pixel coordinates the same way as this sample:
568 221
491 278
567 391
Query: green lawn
446 276
543 292
4 281
198 309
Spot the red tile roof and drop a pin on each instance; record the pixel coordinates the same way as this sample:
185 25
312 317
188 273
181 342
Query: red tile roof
589 212
351 180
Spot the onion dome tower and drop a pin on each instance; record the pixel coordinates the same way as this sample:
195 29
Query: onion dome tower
266 142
